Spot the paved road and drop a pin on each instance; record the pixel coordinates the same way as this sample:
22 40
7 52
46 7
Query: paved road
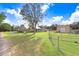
4 45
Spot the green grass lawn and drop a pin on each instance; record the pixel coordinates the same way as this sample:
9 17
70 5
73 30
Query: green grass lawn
39 44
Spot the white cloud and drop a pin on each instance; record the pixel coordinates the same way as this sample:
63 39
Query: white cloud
7 21
53 20
46 7
57 19
18 16
77 8
60 19
14 12
11 11
73 18
66 22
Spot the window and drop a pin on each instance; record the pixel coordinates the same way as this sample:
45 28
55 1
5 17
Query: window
62 29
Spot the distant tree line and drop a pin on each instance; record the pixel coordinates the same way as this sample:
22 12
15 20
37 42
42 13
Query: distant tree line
75 25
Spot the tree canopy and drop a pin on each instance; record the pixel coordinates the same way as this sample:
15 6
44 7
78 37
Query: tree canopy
5 27
2 17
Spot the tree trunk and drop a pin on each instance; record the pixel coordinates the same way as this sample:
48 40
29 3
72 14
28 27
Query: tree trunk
34 28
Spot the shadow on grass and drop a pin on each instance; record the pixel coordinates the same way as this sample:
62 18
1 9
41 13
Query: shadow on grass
24 45
58 50
61 52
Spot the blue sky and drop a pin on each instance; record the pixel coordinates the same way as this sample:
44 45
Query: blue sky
56 12
60 9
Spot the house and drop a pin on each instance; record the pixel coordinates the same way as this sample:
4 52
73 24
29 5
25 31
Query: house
63 28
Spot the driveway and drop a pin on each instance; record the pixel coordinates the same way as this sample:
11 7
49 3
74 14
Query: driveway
4 45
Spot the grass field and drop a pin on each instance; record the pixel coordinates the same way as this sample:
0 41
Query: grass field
40 44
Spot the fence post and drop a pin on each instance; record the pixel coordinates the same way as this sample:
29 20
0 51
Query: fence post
58 47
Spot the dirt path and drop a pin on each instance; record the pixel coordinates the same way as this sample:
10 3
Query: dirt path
4 46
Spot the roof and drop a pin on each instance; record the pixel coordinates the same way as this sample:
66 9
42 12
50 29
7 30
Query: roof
63 25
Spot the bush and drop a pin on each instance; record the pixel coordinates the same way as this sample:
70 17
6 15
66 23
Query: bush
5 27
76 42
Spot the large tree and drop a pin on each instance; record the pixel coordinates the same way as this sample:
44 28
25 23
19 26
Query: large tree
32 13
2 17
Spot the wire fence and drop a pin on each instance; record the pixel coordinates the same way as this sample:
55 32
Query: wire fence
64 42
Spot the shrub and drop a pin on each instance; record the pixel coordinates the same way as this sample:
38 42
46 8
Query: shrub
75 42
